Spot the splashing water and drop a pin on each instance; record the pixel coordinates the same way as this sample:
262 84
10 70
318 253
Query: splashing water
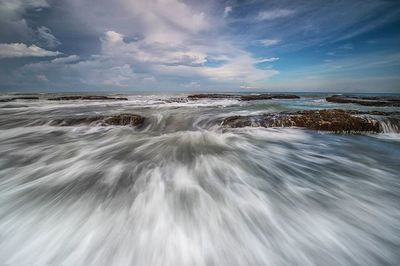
183 191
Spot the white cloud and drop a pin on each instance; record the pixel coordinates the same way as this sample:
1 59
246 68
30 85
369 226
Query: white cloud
46 36
274 14
22 50
227 10
66 60
42 77
264 60
113 44
168 21
240 69
268 42
119 76
243 87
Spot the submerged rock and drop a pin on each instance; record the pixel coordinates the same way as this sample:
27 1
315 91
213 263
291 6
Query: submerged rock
124 120
212 96
90 97
249 97
366 101
115 120
175 100
339 121
19 98
268 97
255 97
5 100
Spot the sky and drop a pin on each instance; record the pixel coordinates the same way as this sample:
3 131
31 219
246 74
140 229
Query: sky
209 45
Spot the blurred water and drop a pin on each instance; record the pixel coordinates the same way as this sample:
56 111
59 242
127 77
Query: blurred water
183 191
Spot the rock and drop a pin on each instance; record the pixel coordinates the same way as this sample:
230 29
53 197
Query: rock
124 120
212 96
366 101
175 100
25 98
284 96
339 121
268 97
253 97
115 120
90 97
19 98
249 97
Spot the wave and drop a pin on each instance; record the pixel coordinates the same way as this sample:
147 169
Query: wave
263 196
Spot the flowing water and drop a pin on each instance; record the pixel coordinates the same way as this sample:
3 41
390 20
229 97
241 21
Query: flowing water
181 190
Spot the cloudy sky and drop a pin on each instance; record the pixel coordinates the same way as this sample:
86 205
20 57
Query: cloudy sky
172 45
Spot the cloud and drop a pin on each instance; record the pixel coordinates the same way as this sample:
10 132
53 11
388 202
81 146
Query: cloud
42 77
66 60
249 87
227 10
268 42
274 14
47 38
113 44
264 60
12 16
167 43
22 50
15 8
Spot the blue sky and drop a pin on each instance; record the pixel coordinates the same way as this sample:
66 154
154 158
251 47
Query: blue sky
171 45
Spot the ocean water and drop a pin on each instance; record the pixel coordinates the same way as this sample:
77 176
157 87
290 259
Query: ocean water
182 190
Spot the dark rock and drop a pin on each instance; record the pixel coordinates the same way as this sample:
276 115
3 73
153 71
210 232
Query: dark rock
268 97
212 96
284 96
124 120
366 101
339 121
249 97
25 98
93 97
253 97
19 98
176 100
115 120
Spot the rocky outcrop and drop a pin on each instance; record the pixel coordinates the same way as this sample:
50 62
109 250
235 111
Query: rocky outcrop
115 120
253 97
212 96
175 100
267 97
339 121
249 97
366 101
19 98
89 97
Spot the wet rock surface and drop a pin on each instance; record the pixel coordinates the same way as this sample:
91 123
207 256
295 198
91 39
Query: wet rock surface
19 98
366 101
89 97
212 96
339 121
115 120
250 97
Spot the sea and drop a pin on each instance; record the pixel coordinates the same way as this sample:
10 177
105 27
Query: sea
183 190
